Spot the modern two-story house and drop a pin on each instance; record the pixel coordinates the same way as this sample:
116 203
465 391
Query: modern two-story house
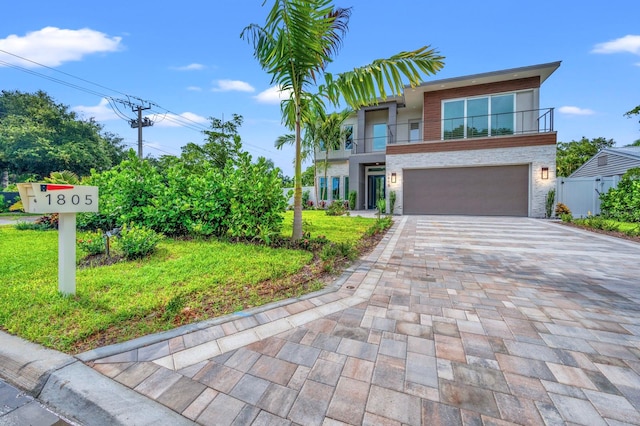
474 145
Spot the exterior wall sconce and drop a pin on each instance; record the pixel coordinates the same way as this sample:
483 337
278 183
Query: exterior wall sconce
545 173
393 178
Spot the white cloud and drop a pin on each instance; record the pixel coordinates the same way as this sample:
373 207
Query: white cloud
100 112
629 44
53 46
173 120
233 86
194 89
272 95
574 110
191 67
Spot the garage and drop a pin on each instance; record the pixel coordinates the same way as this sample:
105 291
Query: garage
481 191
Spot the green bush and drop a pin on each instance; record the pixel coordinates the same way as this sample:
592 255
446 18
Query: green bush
92 243
137 241
378 226
566 217
392 201
549 202
336 208
3 204
244 200
32 226
353 195
623 202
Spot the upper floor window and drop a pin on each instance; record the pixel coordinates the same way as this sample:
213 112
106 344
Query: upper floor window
348 137
379 137
478 117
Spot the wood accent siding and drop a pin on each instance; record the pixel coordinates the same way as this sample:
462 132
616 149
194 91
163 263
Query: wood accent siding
433 100
517 141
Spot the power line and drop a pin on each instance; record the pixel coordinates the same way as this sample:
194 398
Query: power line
138 106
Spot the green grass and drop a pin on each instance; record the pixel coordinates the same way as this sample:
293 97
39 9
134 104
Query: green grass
184 281
338 229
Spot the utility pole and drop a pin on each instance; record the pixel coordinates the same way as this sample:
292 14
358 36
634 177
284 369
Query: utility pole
140 123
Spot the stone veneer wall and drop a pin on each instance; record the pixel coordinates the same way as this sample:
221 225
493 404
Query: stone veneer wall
536 156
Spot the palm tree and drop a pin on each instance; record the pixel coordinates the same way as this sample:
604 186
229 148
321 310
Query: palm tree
297 42
331 134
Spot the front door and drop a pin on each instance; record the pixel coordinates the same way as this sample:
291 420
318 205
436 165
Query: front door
376 190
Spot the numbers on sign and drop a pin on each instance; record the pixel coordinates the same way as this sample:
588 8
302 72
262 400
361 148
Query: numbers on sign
61 200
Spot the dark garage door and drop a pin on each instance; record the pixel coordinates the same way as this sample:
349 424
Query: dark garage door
482 191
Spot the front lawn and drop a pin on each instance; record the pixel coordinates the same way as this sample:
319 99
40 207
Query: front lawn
184 281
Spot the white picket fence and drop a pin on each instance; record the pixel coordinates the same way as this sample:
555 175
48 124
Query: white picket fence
582 195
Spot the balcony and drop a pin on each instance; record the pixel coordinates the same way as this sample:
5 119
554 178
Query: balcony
479 126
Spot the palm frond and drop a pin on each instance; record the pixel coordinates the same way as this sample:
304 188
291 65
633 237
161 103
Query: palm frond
368 84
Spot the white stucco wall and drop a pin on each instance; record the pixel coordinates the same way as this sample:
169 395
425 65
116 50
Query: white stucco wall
536 157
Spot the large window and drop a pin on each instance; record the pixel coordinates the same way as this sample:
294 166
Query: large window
348 137
379 137
335 188
323 188
478 117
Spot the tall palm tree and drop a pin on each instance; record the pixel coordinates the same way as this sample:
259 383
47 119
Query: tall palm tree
297 42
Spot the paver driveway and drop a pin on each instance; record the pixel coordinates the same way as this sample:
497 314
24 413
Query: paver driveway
451 320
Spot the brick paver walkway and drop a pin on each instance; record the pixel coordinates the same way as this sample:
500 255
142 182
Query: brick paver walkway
452 320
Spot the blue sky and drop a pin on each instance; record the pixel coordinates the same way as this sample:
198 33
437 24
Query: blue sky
187 58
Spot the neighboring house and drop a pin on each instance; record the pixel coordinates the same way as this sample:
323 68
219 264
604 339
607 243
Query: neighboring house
581 190
610 162
474 145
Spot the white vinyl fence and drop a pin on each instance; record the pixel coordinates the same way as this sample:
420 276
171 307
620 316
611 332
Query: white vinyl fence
312 194
582 195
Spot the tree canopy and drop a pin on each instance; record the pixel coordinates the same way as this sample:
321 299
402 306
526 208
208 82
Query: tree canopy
571 155
38 136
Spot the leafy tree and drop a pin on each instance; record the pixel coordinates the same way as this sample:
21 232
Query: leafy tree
571 155
223 143
296 44
635 111
635 143
309 176
38 136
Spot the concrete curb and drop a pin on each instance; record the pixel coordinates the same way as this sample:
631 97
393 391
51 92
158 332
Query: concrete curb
75 390
28 365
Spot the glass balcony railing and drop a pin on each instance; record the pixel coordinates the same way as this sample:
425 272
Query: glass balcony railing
479 126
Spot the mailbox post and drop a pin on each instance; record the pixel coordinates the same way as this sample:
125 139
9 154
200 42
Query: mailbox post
66 200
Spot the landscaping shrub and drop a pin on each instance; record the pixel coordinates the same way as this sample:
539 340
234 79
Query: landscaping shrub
549 202
305 199
32 226
243 200
378 226
92 243
336 208
353 195
392 201
381 205
623 202
256 199
562 209
3 204
137 241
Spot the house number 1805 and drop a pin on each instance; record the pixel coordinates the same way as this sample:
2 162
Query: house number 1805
61 199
